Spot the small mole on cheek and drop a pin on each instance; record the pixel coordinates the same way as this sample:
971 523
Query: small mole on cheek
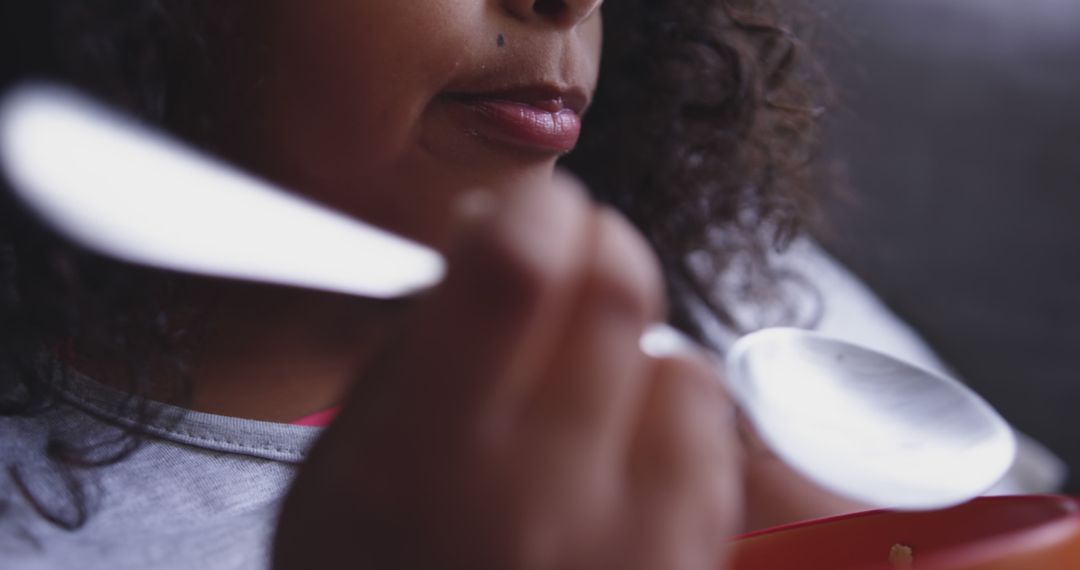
500 41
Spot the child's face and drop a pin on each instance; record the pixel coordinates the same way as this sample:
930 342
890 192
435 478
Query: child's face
389 108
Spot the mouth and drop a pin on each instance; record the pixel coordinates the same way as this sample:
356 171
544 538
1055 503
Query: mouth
542 119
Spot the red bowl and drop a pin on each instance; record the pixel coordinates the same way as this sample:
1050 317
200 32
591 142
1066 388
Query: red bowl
1038 532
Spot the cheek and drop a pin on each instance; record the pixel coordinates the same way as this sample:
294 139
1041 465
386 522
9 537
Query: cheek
593 37
352 77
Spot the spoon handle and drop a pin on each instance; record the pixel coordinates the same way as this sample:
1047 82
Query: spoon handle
123 190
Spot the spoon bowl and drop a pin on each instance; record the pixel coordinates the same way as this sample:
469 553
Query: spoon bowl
865 424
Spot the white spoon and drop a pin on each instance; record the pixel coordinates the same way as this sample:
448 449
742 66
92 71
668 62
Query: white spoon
857 422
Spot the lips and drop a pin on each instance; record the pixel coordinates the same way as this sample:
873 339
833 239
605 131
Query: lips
540 119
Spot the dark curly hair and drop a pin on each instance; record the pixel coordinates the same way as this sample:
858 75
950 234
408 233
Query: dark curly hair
702 133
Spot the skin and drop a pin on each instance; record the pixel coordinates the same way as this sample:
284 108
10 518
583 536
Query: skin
351 106
509 418
345 103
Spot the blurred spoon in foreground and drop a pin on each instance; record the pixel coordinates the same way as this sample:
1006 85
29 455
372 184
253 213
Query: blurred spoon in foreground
858 422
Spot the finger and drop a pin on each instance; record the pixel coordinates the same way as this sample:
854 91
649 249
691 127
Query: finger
498 307
685 418
685 459
592 387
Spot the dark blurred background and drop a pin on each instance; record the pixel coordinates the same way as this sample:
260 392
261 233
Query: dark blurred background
959 125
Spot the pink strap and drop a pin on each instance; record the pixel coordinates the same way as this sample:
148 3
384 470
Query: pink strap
318 419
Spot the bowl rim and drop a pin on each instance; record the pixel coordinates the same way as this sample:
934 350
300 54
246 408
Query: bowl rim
1055 529
1072 504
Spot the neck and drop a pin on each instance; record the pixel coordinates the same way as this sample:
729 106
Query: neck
279 354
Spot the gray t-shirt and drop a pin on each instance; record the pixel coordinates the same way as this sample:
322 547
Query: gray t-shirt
202 492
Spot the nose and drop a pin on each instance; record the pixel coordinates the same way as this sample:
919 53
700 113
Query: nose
563 13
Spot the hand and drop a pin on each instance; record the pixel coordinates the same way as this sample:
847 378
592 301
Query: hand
516 423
